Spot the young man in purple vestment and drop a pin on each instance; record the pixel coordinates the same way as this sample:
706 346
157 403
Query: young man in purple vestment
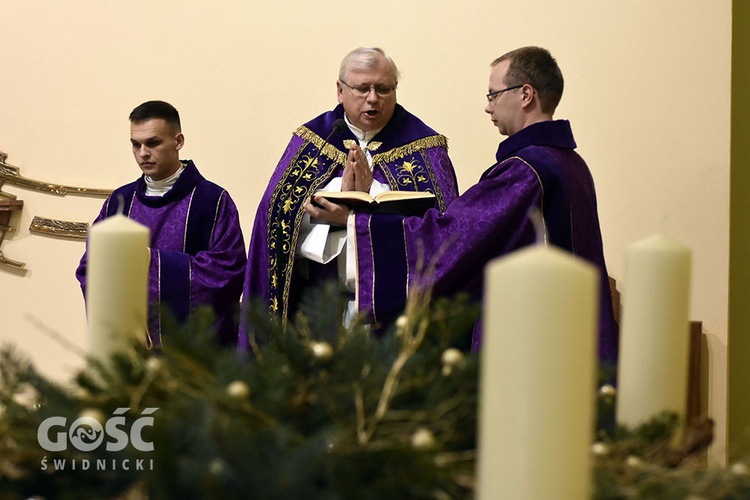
197 249
367 143
537 168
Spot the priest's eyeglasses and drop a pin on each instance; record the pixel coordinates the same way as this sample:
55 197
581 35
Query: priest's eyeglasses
491 96
364 90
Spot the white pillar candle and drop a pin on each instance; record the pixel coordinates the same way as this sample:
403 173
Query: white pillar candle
116 290
654 336
538 376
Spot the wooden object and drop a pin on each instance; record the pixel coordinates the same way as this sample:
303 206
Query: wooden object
6 209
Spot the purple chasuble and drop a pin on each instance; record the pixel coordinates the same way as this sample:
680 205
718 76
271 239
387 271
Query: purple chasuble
407 155
536 167
197 250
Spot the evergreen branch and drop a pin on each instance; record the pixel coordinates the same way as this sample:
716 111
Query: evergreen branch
303 327
360 408
292 436
451 457
140 390
255 348
410 345
446 407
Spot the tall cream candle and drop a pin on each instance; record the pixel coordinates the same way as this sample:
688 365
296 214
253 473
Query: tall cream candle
538 380
654 334
116 293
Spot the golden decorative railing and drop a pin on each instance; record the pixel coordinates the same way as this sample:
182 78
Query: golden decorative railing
40 225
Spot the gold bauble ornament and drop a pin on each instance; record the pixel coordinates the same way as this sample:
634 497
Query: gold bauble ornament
238 390
402 322
740 469
423 439
450 358
634 461
607 391
322 351
154 364
95 414
216 467
600 449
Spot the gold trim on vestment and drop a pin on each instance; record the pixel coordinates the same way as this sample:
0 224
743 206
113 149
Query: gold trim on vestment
303 176
329 151
424 143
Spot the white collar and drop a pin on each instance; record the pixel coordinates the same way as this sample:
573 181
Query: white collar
363 136
160 188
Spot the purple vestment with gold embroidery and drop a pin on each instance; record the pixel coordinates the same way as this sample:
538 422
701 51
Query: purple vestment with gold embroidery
407 155
536 168
197 250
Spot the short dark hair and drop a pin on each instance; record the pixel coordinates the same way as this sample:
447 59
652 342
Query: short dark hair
537 67
156 109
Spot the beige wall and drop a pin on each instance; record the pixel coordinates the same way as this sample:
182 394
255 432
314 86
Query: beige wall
648 94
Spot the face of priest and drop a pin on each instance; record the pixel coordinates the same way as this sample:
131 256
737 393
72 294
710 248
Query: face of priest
156 147
372 110
504 106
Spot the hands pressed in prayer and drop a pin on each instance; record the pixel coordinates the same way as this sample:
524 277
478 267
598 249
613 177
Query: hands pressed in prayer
326 211
357 174
357 177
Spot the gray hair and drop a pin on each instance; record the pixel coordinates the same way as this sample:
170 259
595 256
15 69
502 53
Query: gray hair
366 57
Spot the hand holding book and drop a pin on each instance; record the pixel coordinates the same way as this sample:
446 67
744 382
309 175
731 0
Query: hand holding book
389 202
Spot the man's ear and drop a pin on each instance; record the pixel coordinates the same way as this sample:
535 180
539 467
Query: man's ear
527 95
339 91
180 140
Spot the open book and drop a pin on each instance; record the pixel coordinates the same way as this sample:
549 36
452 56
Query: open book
388 202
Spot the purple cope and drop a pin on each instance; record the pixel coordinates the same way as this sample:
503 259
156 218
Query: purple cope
407 155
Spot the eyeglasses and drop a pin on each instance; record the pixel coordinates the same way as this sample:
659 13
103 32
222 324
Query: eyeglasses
491 95
364 90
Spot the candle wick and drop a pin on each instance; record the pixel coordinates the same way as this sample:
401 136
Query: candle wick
121 204
535 215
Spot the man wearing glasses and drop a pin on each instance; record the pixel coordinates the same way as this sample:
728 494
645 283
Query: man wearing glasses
537 170
367 143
